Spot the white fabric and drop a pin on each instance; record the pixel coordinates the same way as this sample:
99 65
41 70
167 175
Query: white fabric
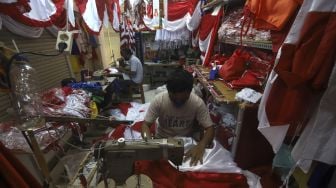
204 45
116 21
194 40
173 39
41 10
190 21
91 16
20 29
105 19
275 134
318 140
195 20
148 22
70 11
216 159
176 24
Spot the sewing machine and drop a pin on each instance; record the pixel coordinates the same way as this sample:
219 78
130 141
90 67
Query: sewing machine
119 155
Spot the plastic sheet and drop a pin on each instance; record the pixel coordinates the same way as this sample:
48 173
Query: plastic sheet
231 29
12 137
65 101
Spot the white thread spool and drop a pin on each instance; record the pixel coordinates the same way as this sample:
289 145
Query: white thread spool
121 141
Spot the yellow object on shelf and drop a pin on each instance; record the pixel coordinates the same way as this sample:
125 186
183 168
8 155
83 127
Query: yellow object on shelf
94 109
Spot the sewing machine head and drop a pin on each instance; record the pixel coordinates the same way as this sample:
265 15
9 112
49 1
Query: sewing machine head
119 155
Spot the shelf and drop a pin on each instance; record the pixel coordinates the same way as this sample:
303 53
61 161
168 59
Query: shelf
217 88
250 43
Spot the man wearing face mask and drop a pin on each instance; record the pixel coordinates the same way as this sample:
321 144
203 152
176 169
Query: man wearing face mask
176 111
135 72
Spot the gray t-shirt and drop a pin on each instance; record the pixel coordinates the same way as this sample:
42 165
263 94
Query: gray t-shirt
174 121
136 66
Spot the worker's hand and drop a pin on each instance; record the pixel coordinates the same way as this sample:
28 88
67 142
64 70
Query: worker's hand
145 132
195 154
121 69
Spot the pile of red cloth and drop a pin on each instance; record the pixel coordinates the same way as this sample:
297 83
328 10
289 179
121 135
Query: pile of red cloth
246 69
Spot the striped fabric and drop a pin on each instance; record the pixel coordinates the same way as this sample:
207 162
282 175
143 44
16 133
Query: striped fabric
127 39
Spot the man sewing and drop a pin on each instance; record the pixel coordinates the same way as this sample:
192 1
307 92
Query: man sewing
134 74
176 112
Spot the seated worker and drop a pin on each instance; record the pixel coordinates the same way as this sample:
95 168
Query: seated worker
135 72
176 112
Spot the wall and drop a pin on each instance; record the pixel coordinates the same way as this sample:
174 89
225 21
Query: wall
109 41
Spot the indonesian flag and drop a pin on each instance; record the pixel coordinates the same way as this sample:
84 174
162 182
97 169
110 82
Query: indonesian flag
304 64
180 14
127 35
207 33
36 13
95 13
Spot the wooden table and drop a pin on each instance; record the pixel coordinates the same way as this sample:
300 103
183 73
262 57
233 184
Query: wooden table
217 88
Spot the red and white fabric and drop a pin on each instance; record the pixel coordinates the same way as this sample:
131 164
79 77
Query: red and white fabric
207 33
305 61
40 13
317 141
127 39
97 12
217 160
180 14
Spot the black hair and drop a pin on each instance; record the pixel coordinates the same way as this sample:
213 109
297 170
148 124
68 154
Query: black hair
127 51
179 81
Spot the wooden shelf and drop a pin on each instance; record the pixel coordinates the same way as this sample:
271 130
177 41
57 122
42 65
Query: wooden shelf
217 88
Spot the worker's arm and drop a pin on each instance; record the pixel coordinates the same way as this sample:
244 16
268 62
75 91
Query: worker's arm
196 153
145 131
126 71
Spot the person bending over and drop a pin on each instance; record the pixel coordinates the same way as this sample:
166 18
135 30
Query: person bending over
175 113
135 72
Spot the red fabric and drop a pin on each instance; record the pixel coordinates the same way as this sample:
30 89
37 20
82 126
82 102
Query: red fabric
81 4
271 14
219 59
17 14
278 37
208 23
164 175
100 8
235 66
13 173
303 68
101 4
178 9
110 5
149 10
249 79
124 107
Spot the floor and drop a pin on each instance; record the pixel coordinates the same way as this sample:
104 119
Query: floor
149 95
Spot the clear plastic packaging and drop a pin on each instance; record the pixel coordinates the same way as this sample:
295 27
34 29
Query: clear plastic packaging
24 94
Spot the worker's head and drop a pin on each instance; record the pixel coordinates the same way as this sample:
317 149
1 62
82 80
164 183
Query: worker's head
179 86
126 53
